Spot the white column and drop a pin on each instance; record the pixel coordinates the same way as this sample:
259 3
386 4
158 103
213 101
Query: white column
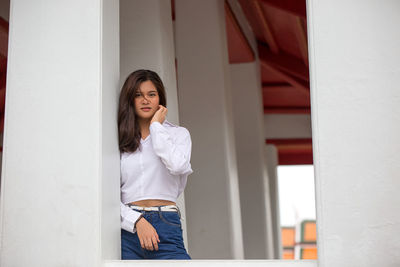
271 161
355 77
147 42
250 144
212 193
288 126
61 92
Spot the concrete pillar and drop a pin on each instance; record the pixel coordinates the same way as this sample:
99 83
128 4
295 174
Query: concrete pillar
212 193
355 94
271 161
147 42
250 144
60 139
282 126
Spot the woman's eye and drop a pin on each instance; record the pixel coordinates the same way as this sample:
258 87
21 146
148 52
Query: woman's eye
137 95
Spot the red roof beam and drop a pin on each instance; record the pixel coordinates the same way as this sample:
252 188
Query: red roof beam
285 76
288 110
301 158
284 62
3 37
302 38
293 151
285 94
295 7
289 141
266 29
239 48
3 65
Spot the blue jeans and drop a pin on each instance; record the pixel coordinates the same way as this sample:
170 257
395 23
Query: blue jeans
169 230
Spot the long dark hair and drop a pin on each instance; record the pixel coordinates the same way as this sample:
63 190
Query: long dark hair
128 127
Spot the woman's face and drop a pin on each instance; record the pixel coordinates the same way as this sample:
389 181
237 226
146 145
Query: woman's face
146 100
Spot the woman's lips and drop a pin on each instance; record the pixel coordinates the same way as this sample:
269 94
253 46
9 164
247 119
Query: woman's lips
146 109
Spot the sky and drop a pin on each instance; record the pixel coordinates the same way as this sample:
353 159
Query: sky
296 194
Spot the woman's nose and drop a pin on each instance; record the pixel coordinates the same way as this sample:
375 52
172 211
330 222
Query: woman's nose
145 100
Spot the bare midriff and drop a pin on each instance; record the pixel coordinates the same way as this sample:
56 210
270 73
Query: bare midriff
152 202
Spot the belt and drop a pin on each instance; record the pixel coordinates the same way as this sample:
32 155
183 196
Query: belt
158 208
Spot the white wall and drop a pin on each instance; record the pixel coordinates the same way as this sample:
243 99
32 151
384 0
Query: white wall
355 77
287 126
52 177
253 178
212 193
147 42
110 161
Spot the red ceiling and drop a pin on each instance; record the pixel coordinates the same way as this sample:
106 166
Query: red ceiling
238 47
293 151
281 31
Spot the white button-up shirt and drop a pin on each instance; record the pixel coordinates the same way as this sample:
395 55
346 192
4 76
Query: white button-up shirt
158 169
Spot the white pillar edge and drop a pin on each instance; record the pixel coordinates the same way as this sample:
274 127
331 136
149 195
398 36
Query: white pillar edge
271 159
314 129
109 192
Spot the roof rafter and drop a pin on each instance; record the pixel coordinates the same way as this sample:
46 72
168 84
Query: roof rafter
302 39
295 7
288 110
267 32
287 77
237 41
284 62
3 37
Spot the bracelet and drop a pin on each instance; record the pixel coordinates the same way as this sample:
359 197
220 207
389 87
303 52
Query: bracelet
134 225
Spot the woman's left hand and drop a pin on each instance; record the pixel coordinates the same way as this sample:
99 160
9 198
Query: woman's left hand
160 114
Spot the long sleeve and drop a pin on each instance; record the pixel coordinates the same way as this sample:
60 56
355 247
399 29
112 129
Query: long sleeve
128 218
174 151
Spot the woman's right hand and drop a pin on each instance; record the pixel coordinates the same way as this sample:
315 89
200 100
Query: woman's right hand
147 234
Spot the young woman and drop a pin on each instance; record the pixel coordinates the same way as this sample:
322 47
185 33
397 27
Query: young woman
155 164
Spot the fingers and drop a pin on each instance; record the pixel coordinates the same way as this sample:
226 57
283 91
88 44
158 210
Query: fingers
146 243
142 243
150 243
158 239
149 240
154 242
160 114
163 109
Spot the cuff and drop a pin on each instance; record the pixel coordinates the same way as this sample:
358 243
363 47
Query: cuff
134 225
156 125
129 221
